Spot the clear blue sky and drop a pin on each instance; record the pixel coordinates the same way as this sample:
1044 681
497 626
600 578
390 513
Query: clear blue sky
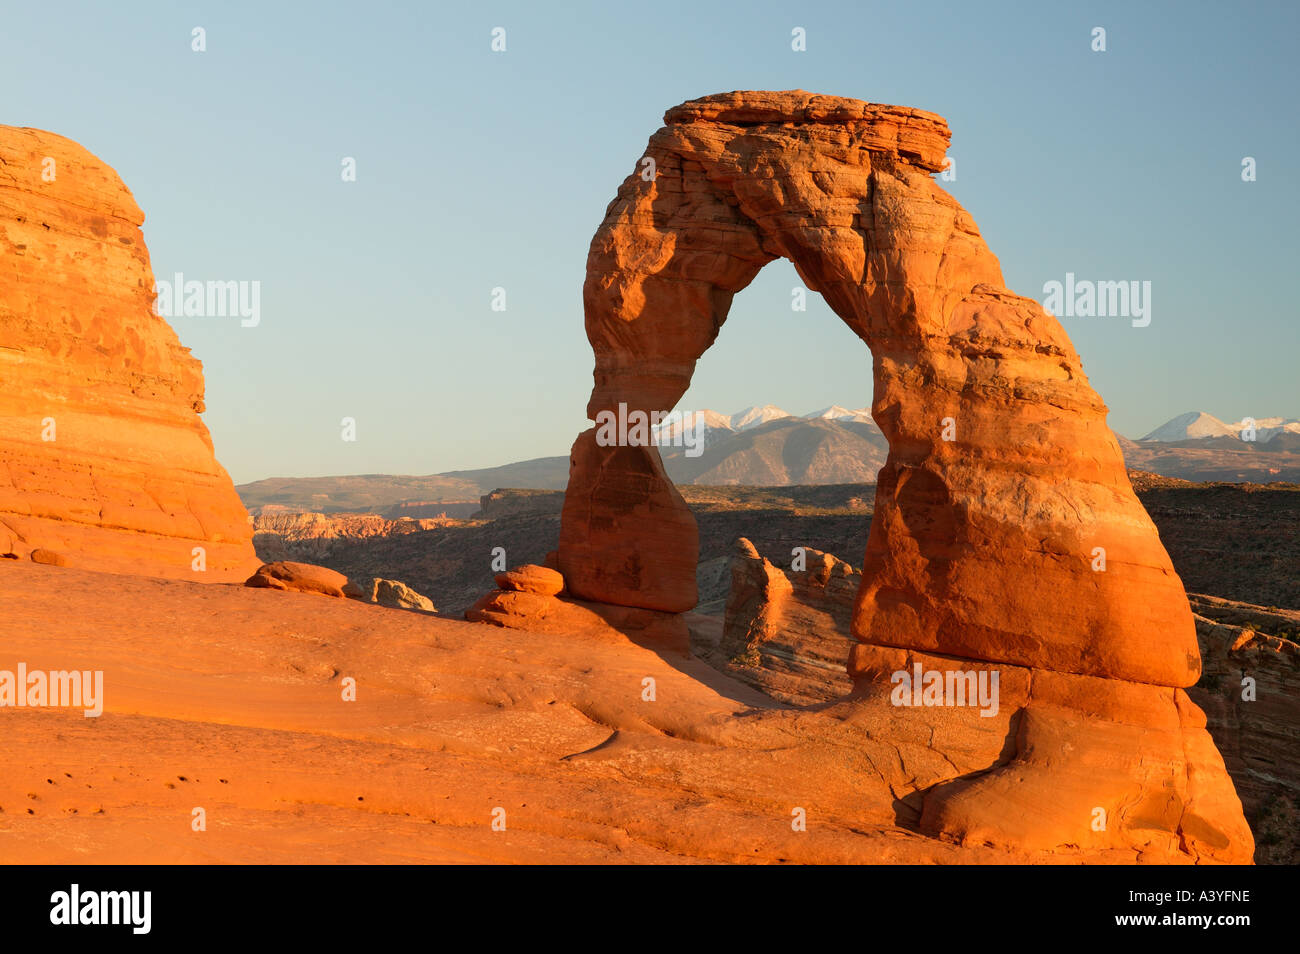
479 169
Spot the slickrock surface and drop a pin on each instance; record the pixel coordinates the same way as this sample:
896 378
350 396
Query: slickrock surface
1006 536
103 456
1143 757
244 717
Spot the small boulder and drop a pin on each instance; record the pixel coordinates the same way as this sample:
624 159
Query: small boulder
48 557
301 577
398 595
531 578
391 593
356 591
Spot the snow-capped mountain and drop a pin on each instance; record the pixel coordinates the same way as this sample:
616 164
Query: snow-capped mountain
1266 428
755 416
713 424
1197 424
836 413
751 417
716 424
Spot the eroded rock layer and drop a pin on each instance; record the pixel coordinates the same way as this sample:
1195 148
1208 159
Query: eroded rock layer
103 456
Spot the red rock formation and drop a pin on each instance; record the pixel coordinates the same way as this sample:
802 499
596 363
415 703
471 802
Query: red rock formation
300 578
783 627
391 593
528 597
626 533
561 616
48 557
787 631
531 578
970 532
1006 535
104 457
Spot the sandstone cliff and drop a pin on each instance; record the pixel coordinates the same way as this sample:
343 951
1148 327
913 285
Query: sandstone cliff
316 536
103 456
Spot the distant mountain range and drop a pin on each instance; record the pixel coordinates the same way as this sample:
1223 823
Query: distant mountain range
766 446
1195 425
718 426
784 451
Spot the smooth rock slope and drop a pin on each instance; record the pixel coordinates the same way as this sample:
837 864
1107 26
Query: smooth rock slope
451 726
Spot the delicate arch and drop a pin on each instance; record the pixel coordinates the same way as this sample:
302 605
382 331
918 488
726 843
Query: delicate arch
981 546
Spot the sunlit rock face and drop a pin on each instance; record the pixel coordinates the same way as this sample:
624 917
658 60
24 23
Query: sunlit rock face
1006 535
103 456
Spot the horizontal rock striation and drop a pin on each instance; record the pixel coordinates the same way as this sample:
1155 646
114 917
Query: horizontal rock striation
103 456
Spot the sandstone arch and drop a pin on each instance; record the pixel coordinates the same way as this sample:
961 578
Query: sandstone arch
981 547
